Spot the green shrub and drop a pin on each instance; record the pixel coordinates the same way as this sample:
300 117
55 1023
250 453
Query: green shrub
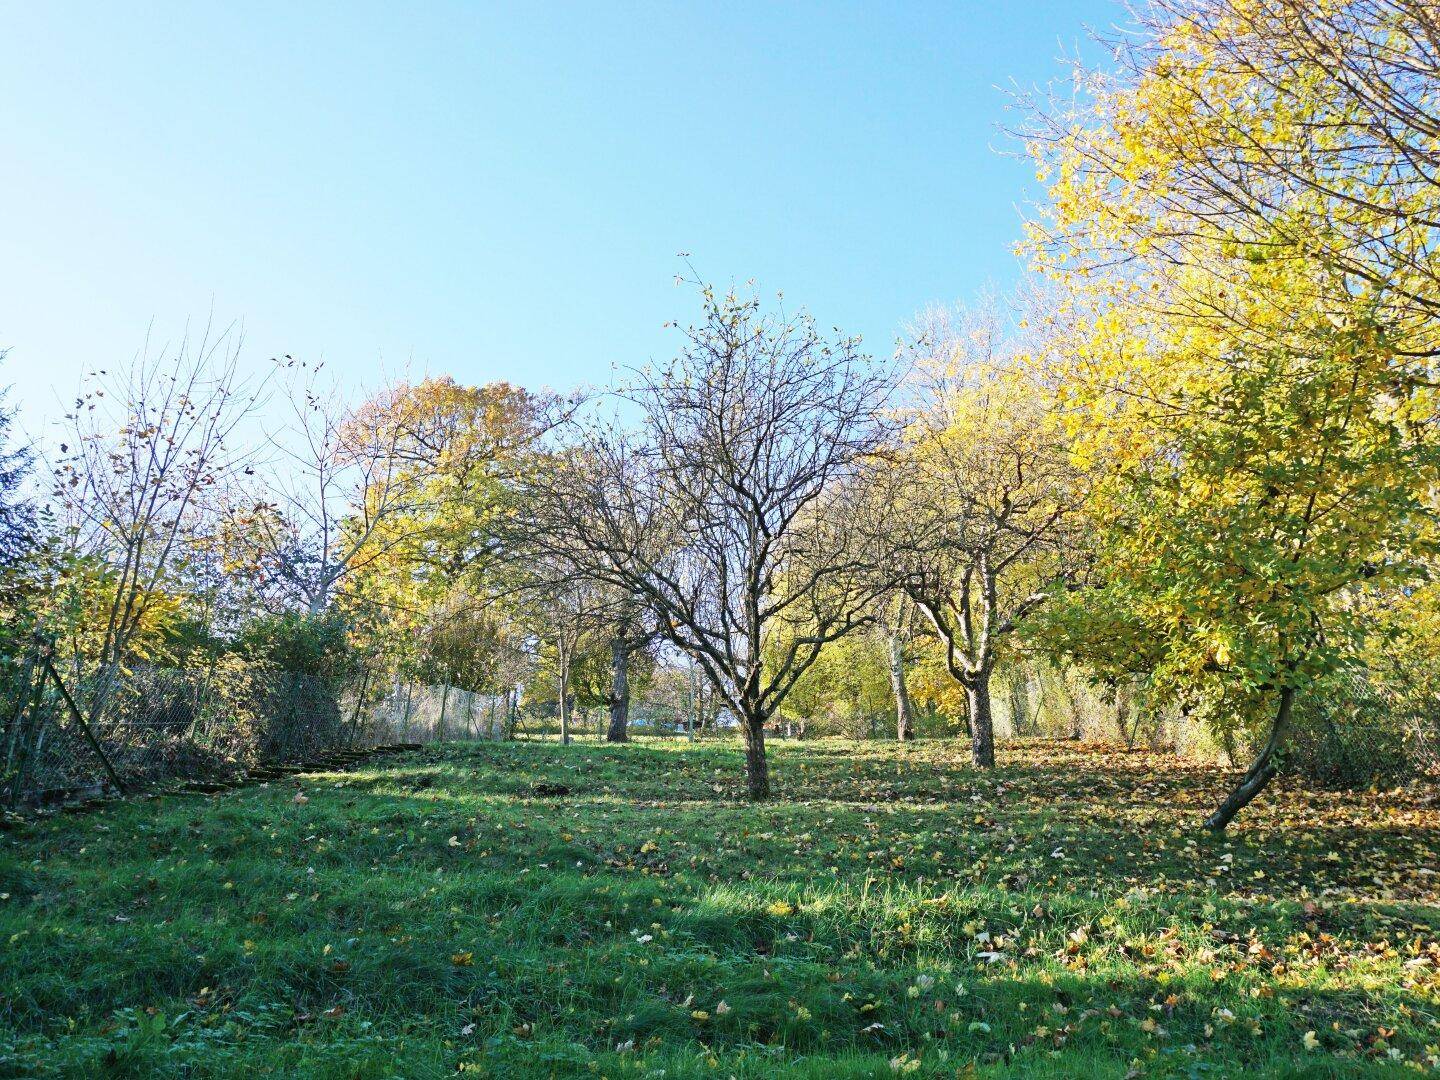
299 643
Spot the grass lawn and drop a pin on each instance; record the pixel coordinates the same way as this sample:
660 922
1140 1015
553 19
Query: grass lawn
892 913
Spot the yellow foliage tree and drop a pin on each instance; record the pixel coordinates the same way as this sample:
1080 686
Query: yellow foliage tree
1259 389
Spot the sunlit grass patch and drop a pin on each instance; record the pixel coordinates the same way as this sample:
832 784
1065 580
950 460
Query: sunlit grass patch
894 913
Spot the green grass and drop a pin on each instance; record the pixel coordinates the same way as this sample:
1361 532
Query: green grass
892 913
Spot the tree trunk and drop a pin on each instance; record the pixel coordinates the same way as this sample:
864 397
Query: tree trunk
1019 690
565 702
904 715
697 717
440 724
1077 730
1262 770
619 692
1227 740
982 725
757 771
359 705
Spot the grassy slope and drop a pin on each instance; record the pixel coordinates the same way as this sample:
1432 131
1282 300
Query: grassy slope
431 915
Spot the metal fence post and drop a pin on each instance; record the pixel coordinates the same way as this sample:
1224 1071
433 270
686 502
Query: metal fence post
79 719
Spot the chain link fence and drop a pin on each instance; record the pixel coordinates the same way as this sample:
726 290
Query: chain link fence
1376 723
421 713
66 734
70 734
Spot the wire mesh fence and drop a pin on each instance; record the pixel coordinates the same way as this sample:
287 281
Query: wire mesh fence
75 732
417 712
1373 723
66 732
71 733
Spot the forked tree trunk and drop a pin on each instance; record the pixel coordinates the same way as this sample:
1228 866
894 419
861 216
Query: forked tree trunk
619 692
982 724
757 771
1262 770
1122 718
904 714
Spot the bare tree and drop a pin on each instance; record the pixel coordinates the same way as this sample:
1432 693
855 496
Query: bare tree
726 508
336 477
678 687
564 607
144 458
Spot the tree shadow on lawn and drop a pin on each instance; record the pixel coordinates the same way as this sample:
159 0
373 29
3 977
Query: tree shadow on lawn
781 909
1102 820
935 770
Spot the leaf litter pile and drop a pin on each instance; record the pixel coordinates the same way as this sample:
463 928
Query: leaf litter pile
516 910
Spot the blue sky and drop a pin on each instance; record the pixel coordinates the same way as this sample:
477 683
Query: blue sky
497 192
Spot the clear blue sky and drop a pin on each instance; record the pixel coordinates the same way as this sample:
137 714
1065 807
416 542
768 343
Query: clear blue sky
497 192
